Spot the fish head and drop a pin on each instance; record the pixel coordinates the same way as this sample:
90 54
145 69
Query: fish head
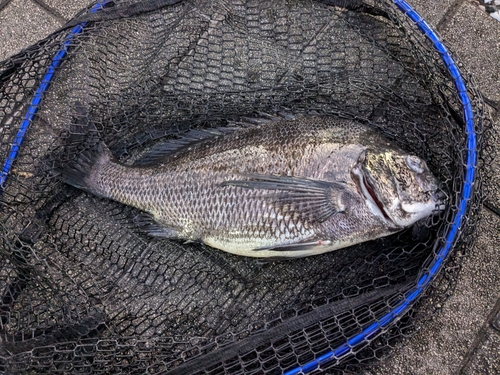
397 187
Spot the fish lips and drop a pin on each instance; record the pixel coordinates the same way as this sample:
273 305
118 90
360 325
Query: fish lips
441 198
368 192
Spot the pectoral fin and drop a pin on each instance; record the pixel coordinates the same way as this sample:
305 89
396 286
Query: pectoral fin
312 199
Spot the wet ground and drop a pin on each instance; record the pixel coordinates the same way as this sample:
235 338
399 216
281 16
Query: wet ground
464 337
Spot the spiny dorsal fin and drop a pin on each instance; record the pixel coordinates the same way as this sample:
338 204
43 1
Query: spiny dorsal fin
164 149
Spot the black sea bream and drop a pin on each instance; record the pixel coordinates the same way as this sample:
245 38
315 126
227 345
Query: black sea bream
289 188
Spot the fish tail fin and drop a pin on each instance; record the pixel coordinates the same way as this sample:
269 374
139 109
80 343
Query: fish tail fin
82 172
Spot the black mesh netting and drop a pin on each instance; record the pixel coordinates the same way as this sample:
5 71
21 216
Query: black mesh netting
84 291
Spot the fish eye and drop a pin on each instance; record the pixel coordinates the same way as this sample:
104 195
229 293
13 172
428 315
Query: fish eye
416 164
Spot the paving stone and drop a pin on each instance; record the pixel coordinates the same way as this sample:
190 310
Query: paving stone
487 358
432 11
22 24
68 8
475 38
492 184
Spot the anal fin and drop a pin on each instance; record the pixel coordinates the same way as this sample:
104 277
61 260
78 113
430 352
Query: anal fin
147 224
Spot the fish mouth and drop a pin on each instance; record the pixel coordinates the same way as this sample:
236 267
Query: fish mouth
440 198
368 192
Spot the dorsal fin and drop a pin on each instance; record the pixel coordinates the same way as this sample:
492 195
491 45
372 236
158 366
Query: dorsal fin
164 149
161 150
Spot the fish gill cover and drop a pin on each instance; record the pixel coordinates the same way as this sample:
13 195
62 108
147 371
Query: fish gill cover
84 290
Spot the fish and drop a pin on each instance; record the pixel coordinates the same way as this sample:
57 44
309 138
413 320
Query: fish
287 187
